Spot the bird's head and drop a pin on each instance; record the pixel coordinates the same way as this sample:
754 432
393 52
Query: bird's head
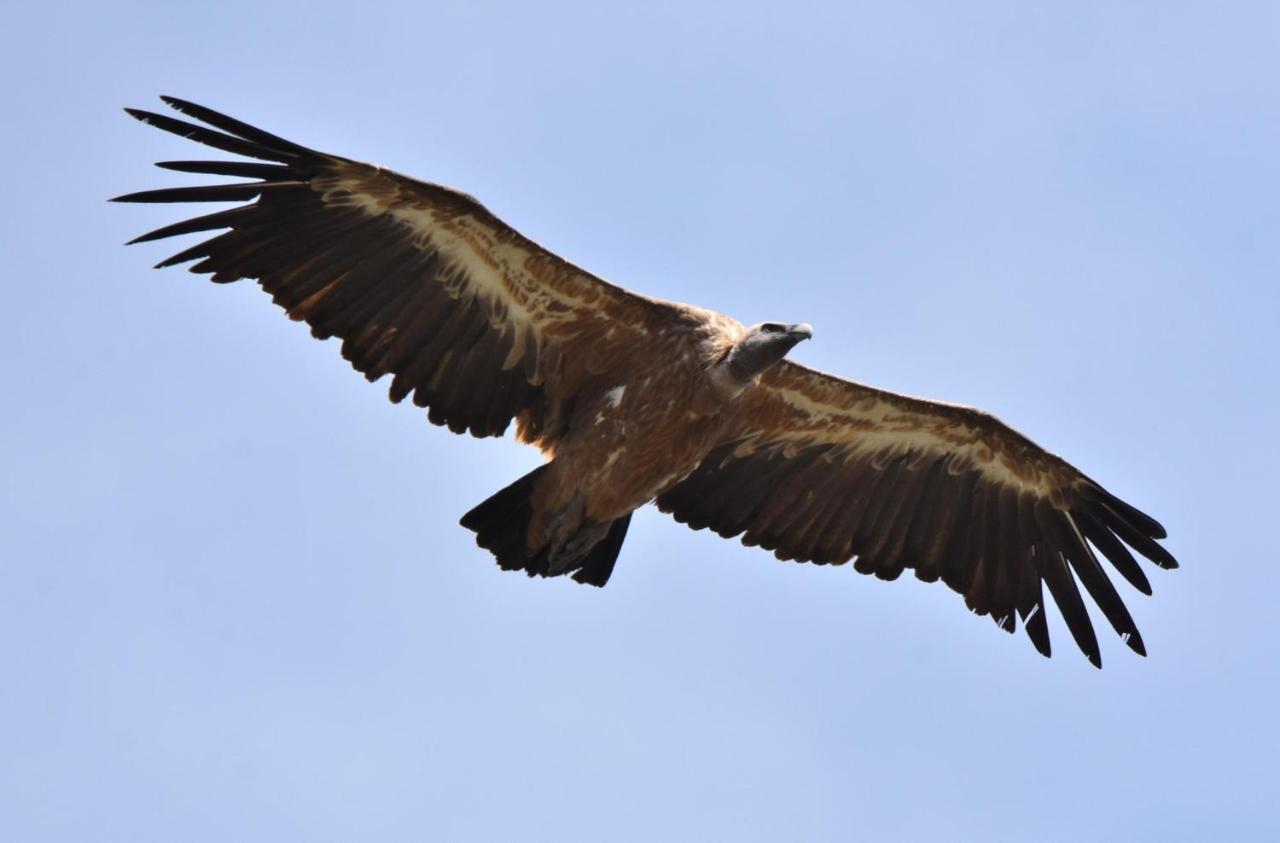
762 346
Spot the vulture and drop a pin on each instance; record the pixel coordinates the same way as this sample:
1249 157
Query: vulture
633 399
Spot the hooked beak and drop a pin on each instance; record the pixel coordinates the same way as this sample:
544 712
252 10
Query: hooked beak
803 331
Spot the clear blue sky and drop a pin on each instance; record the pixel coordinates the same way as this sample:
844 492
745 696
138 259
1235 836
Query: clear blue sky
235 603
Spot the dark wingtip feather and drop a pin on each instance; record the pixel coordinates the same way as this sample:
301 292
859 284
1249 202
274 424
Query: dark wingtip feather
246 169
252 147
1115 551
140 114
208 222
1038 630
211 193
236 127
1148 547
1137 518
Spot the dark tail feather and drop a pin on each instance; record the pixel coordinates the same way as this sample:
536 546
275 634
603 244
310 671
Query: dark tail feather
501 525
598 565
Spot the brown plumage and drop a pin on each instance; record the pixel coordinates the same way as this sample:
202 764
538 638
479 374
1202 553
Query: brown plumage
634 399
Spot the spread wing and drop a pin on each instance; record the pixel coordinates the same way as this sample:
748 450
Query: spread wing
825 470
475 321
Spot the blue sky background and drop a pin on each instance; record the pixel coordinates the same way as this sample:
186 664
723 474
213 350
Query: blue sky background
235 603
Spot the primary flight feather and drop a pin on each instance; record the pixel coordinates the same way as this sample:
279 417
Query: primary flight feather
634 399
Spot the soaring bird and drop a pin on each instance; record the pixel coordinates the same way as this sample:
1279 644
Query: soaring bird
634 399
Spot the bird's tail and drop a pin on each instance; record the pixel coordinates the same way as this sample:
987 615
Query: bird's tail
501 525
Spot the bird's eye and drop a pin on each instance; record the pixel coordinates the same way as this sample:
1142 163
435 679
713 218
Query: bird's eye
771 328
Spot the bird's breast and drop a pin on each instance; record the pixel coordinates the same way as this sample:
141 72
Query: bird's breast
630 442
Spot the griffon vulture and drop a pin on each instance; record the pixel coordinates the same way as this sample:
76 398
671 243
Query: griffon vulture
634 399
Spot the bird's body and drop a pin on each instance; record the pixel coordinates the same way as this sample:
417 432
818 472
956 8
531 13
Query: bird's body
634 399
638 432
635 431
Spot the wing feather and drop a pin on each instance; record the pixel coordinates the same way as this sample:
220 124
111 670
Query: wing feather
825 470
479 324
